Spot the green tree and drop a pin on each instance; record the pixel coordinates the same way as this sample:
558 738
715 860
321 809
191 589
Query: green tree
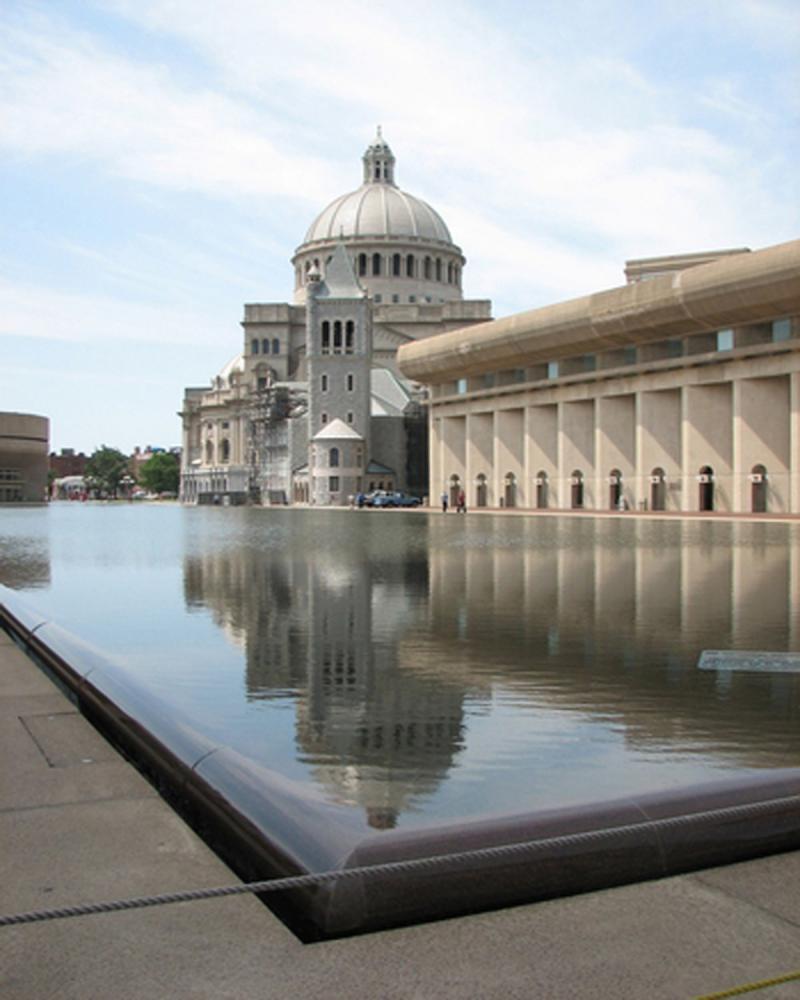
161 473
105 469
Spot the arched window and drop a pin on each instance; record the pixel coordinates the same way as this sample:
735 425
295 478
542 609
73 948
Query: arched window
438 269
542 490
349 333
362 264
614 489
351 381
226 450
426 268
333 458
254 345
410 265
209 452
337 336
758 489
576 489
326 336
397 264
276 346
265 345
705 482
376 263
323 382
450 273
658 489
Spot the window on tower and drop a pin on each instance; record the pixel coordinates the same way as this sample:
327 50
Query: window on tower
349 334
376 263
326 337
337 336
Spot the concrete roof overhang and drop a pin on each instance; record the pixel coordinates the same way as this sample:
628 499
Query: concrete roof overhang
747 288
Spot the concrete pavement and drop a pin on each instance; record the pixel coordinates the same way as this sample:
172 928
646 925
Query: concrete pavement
79 824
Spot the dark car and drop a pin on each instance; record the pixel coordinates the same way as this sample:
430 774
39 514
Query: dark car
396 499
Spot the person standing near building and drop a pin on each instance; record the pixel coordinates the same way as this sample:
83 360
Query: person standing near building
444 501
462 503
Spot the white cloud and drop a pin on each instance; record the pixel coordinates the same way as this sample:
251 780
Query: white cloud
33 311
63 93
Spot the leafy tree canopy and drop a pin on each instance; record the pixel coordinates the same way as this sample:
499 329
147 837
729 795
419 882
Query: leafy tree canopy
161 473
105 469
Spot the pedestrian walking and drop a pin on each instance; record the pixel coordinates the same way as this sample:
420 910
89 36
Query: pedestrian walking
462 503
444 502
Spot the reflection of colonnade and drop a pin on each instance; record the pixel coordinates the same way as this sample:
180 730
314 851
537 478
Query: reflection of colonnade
681 392
609 617
658 581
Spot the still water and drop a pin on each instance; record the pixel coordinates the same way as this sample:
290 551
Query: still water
420 667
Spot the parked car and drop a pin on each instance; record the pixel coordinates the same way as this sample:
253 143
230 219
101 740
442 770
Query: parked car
396 499
376 495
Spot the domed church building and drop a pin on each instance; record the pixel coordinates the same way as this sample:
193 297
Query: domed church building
314 409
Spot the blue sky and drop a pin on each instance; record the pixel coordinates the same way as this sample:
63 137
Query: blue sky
160 161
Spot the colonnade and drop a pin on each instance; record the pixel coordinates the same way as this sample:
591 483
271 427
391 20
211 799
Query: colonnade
691 440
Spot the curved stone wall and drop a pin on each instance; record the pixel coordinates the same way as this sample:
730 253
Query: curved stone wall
24 446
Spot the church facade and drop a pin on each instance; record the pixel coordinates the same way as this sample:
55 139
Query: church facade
314 409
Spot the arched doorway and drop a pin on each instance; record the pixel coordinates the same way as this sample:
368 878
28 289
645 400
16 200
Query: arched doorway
614 489
758 489
576 489
481 491
455 489
542 490
510 491
705 481
658 489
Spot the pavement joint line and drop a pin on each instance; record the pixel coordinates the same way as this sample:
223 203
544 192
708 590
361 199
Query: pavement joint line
741 898
10 810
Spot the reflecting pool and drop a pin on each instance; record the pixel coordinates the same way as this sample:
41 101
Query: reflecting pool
418 667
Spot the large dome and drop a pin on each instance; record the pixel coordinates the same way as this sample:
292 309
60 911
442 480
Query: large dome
400 249
378 208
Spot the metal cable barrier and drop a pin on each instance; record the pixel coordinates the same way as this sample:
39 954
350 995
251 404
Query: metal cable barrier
411 865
